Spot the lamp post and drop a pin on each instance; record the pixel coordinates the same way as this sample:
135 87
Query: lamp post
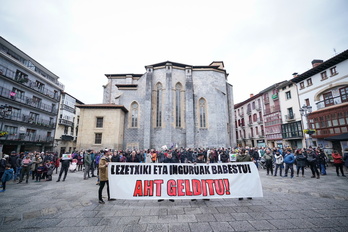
305 111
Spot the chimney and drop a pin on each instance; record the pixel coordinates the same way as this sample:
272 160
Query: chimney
315 63
251 95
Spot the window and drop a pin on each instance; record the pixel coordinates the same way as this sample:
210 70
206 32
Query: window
307 102
36 101
202 113
159 105
33 117
11 130
21 77
250 121
323 75
255 117
260 116
178 88
290 113
66 128
288 95
98 138
344 94
328 99
256 130
17 94
309 82
99 123
253 105
40 85
134 108
333 71
302 85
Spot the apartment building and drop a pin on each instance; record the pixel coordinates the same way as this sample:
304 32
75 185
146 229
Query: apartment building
29 100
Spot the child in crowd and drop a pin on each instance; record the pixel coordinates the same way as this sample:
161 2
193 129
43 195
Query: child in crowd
8 175
39 171
50 167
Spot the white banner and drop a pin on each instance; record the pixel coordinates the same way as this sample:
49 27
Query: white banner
149 181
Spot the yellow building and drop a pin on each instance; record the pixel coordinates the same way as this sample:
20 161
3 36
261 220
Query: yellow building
101 126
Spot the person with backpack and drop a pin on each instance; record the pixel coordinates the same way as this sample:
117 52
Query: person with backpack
279 163
289 160
8 175
313 161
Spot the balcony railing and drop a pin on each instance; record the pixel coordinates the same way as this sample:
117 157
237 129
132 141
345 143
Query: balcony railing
248 112
6 93
290 117
28 119
27 82
65 122
331 101
27 138
67 108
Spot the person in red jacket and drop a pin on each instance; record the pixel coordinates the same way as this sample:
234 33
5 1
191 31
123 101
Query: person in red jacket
338 162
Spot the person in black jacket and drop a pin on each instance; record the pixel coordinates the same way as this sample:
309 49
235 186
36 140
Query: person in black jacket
65 163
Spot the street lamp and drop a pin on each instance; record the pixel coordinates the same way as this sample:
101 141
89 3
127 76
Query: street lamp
305 111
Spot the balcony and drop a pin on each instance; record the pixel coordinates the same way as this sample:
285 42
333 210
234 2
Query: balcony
250 124
67 138
67 108
24 137
11 74
248 112
260 121
6 93
65 122
289 117
258 109
332 101
241 114
24 118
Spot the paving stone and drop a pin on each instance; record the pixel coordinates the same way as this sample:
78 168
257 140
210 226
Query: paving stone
174 227
262 225
221 226
157 227
200 227
241 226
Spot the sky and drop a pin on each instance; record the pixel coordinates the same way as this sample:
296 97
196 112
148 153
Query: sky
260 42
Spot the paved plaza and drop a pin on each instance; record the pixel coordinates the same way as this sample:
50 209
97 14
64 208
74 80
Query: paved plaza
298 204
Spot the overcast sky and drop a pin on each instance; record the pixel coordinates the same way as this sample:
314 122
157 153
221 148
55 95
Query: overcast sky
260 42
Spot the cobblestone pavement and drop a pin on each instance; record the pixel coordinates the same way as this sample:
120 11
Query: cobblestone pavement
297 204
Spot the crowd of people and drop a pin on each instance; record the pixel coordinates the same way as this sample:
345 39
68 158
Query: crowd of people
40 166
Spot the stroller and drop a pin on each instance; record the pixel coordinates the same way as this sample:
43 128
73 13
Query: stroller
73 165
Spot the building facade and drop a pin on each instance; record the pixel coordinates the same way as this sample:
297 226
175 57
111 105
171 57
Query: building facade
249 122
29 100
272 115
291 128
324 88
174 105
101 126
67 124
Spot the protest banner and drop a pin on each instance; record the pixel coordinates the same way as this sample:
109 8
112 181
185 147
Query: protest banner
66 156
150 181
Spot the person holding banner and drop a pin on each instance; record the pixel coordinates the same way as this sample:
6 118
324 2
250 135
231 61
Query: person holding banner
243 157
103 178
65 160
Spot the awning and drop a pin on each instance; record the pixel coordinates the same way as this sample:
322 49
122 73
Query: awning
341 137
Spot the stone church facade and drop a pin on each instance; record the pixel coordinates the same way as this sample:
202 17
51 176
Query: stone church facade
176 105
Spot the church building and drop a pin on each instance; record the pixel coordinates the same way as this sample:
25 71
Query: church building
173 105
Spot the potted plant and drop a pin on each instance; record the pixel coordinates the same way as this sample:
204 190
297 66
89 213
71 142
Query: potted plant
3 133
309 131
